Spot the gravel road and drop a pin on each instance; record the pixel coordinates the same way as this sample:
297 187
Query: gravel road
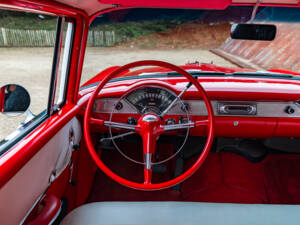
31 67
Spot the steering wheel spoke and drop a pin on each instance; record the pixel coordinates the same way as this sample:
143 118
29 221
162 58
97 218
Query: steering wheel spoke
97 121
149 131
124 126
117 136
111 124
149 147
147 175
178 126
199 123
187 125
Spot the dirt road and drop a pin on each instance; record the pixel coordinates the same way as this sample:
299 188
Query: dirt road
31 68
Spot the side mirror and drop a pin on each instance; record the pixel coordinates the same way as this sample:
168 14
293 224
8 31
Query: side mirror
14 100
258 32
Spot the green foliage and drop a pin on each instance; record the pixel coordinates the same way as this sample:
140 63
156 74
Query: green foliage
124 31
131 30
26 21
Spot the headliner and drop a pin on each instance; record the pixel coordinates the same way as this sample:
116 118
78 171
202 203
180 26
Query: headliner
93 6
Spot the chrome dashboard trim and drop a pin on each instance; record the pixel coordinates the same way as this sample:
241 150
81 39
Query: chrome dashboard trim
198 108
236 108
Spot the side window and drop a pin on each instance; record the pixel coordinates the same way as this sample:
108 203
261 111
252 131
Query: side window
27 43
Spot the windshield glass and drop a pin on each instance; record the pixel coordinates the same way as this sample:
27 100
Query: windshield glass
197 39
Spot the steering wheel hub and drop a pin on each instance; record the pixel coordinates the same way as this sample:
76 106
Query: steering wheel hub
149 118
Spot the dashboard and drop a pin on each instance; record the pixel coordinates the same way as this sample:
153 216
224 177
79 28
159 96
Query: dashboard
198 108
244 114
155 99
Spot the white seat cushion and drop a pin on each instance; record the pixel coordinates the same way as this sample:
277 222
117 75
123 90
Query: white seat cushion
182 213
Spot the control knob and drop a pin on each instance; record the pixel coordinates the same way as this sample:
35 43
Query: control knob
289 110
170 121
132 121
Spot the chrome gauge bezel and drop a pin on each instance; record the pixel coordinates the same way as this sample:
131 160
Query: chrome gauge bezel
123 98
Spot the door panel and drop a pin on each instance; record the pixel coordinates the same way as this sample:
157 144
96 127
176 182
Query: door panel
22 191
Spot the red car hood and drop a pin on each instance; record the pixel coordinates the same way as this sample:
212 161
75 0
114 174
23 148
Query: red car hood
202 67
217 87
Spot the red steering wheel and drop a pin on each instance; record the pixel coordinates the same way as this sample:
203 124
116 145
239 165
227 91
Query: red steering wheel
149 127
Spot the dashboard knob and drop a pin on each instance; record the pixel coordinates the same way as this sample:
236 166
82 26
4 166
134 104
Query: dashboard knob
132 121
170 121
289 110
119 106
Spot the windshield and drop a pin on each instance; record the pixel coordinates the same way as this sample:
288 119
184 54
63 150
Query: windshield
197 39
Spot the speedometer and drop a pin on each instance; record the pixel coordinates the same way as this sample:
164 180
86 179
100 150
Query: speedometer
150 99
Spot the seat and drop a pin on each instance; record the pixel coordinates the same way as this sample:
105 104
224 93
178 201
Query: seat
182 213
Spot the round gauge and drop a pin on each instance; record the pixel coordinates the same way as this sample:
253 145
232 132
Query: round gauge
150 99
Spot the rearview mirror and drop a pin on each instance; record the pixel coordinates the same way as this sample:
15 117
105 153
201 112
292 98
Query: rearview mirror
14 100
258 32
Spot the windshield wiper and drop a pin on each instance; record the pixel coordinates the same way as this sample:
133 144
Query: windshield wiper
197 73
263 74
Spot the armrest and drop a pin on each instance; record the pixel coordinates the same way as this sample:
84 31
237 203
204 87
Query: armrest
51 208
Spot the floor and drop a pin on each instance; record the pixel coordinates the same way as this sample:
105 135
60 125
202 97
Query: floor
224 177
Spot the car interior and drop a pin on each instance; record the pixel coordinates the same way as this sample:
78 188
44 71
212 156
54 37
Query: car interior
151 142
